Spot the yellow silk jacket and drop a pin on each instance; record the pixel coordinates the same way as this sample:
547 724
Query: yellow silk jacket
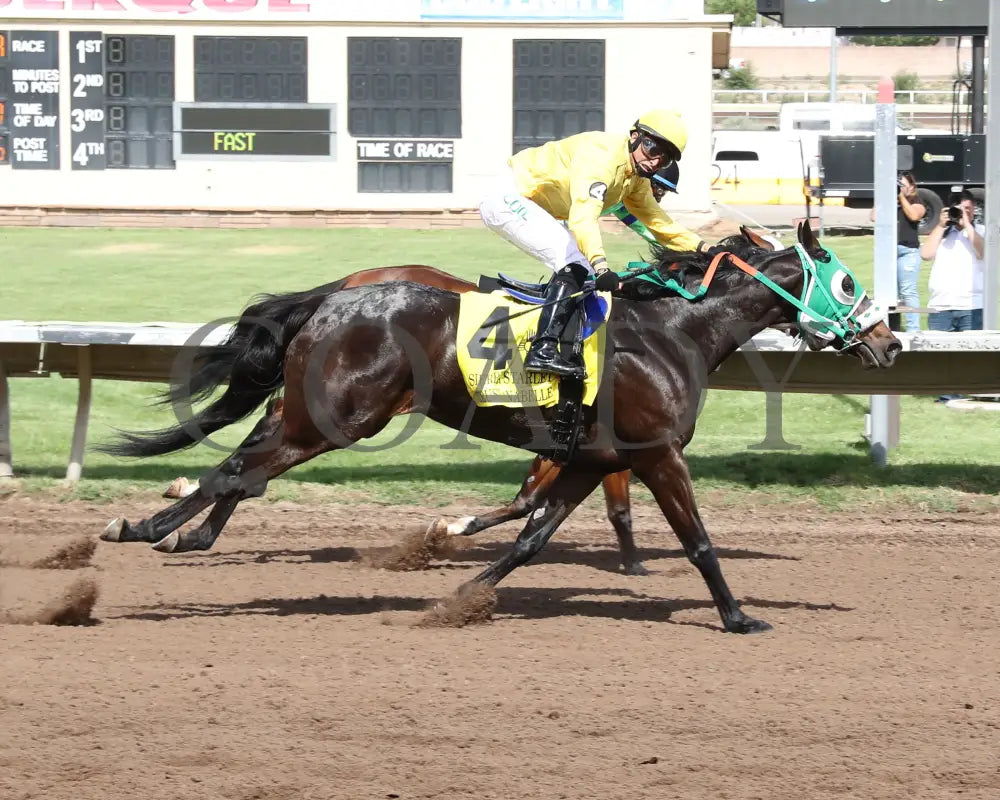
580 177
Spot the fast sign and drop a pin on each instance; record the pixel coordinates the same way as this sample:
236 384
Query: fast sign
228 131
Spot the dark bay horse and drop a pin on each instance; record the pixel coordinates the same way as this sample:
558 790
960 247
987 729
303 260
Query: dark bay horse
367 354
542 471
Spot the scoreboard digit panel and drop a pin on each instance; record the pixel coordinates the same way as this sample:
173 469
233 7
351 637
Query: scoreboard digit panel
139 98
251 69
558 89
404 87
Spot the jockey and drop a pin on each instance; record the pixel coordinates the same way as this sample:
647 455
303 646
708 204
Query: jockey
577 179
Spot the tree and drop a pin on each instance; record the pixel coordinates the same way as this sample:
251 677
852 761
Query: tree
744 11
741 78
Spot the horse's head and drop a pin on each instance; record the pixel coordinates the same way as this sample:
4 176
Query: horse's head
832 308
815 293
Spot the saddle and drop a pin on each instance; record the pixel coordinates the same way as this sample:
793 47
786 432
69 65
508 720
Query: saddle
595 308
522 290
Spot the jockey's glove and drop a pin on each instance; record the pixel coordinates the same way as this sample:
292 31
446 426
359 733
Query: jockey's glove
606 280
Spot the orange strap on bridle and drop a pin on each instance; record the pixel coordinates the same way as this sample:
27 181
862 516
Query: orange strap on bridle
714 266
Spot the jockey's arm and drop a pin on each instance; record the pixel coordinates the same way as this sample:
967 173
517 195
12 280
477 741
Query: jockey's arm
591 173
666 231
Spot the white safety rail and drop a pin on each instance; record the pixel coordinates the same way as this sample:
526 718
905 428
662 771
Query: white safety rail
772 362
942 97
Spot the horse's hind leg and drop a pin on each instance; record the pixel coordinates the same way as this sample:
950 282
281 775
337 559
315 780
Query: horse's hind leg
540 477
275 446
568 490
543 472
162 524
616 498
263 455
204 536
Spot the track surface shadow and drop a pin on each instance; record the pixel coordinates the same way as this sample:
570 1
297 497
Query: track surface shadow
564 552
516 602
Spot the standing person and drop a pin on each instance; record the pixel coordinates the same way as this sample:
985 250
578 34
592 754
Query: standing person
909 212
956 246
577 179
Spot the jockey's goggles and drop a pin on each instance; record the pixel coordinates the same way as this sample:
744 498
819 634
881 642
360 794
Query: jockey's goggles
655 148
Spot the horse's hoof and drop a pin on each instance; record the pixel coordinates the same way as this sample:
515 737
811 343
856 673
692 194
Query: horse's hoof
638 568
460 526
437 531
180 487
168 544
113 531
749 625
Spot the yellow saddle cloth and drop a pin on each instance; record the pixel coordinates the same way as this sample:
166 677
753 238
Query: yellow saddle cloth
491 350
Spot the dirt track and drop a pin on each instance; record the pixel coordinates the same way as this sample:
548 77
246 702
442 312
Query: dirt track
275 667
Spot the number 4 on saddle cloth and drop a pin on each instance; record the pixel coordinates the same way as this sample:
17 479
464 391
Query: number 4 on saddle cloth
495 329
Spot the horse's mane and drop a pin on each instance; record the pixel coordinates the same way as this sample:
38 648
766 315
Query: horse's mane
688 267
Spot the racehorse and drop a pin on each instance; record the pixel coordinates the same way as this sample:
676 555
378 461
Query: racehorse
542 471
367 354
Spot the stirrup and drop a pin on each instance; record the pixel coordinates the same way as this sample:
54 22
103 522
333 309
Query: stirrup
553 363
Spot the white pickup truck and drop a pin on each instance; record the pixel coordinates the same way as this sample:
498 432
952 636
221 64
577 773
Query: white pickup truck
770 166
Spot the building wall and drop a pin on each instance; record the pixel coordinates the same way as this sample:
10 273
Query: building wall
681 50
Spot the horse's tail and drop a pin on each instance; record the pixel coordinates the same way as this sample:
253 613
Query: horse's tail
250 359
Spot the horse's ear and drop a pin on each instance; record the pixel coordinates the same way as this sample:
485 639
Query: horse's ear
756 238
807 238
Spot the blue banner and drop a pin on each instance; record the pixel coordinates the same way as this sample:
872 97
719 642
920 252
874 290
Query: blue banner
523 9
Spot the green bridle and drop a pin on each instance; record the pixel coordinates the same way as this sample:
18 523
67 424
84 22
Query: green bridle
828 308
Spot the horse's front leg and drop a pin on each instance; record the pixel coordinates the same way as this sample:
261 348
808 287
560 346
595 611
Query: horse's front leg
665 472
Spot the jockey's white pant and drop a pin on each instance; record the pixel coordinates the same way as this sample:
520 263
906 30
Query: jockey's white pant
524 223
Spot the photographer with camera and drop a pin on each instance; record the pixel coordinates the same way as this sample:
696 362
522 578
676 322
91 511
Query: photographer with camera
909 212
956 246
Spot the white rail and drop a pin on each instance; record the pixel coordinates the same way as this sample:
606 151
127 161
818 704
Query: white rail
772 362
912 96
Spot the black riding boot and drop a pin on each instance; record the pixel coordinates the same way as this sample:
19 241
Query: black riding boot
544 355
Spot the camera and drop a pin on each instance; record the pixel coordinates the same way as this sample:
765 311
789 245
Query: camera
954 214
